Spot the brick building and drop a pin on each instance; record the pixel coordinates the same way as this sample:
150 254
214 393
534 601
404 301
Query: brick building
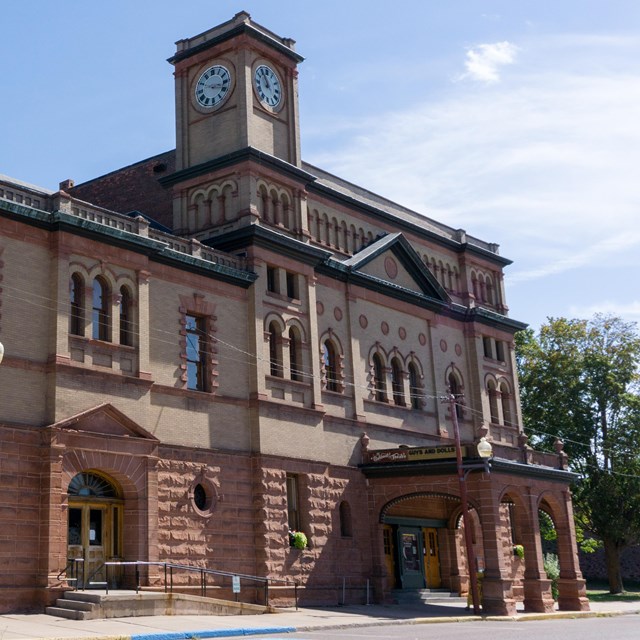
226 343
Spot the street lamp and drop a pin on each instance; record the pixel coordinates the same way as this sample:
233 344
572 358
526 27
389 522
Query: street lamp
485 452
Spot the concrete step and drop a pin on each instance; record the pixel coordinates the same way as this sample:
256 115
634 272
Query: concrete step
76 605
84 596
69 614
427 596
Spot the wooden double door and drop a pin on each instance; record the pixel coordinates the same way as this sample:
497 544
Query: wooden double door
94 534
412 556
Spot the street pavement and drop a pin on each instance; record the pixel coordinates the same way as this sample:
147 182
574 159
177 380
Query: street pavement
37 626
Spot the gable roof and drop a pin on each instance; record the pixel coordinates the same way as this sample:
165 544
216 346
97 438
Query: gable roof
417 276
104 419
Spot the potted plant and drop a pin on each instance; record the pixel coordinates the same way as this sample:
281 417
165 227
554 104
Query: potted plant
298 540
518 550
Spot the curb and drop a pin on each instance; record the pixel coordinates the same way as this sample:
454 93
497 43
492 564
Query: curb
305 628
211 633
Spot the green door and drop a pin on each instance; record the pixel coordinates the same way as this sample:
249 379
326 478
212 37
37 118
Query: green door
410 559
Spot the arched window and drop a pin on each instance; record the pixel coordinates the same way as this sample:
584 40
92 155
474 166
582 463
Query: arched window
197 353
414 386
76 297
505 399
126 320
345 520
489 288
493 402
397 383
295 354
91 485
476 288
330 363
275 350
456 392
379 379
101 316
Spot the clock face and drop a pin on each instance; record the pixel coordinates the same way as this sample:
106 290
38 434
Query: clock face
268 86
213 86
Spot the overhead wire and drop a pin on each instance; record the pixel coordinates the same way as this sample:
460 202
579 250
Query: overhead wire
251 359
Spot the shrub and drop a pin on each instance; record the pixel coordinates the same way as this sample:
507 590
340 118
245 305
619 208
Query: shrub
552 569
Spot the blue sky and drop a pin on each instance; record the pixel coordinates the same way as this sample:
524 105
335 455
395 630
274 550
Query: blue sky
518 121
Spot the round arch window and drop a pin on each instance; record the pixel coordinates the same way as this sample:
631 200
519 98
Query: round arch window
91 485
204 498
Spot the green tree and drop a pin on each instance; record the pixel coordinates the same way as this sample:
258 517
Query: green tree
579 382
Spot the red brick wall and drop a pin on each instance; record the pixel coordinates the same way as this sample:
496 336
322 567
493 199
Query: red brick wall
134 188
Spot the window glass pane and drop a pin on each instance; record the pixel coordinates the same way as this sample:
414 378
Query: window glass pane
292 503
95 527
196 353
75 526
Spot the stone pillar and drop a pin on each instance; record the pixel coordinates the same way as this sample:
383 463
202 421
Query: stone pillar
144 358
572 594
537 588
257 338
497 591
358 372
314 343
451 543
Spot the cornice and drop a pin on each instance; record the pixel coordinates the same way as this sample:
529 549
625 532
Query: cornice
442 467
243 28
237 157
155 250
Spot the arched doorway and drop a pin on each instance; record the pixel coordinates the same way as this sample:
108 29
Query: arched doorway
415 530
94 530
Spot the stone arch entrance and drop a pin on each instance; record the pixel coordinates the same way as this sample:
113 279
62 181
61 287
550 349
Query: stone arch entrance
101 481
419 542
94 524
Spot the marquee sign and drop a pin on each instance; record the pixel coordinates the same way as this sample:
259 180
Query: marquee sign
386 456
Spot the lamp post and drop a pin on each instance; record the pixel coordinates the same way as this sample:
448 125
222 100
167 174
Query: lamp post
484 451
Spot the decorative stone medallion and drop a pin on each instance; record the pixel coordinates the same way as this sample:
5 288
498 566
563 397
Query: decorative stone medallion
337 314
443 346
391 267
402 332
364 323
384 327
422 339
458 350
319 308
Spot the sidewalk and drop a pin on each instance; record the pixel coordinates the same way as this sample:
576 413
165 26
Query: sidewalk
36 626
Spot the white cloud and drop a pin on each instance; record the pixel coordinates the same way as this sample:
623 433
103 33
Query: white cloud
604 250
544 164
483 62
629 310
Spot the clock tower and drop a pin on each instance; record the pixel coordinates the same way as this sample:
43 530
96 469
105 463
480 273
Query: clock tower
236 88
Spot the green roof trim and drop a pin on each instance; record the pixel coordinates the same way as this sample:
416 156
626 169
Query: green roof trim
156 250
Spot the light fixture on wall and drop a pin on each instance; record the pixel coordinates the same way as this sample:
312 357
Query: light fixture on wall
485 450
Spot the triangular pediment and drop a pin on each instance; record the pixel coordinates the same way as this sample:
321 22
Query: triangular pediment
104 420
392 260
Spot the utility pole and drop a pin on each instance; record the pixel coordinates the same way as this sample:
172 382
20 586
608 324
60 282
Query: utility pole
462 480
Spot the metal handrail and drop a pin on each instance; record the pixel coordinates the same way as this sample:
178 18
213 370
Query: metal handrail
72 563
170 566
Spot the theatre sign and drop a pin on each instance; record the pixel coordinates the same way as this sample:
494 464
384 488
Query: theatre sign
411 454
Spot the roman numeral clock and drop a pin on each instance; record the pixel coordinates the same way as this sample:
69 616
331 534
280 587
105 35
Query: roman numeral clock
267 86
213 86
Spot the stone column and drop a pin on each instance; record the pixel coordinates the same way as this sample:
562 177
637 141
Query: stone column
537 588
314 343
571 585
497 591
144 358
